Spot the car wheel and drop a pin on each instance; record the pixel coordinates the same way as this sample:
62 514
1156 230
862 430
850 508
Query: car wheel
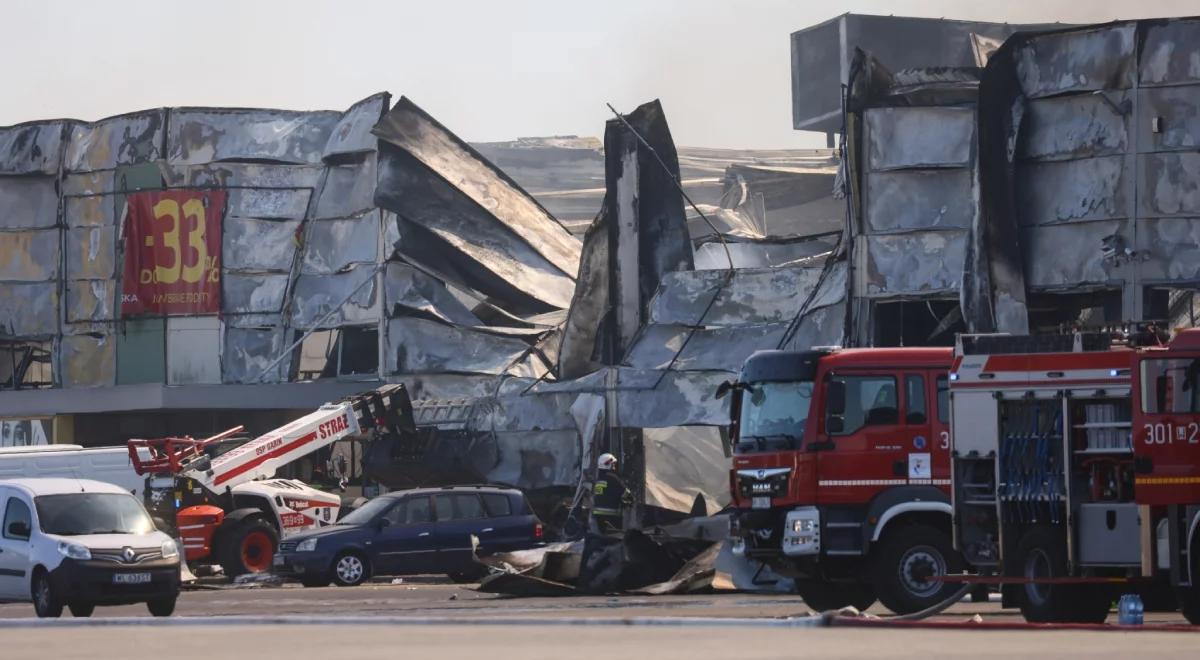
248 547
82 610
47 603
161 607
906 557
350 569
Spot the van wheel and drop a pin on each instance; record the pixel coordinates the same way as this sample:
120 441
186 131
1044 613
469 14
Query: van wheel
822 596
248 547
350 569
905 559
161 607
47 603
82 610
1042 553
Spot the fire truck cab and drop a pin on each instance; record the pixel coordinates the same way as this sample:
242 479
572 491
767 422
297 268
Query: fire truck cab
841 472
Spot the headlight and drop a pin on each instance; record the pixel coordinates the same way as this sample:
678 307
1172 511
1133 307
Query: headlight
803 525
74 550
170 550
307 545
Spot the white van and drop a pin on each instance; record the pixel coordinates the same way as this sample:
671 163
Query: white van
107 464
80 543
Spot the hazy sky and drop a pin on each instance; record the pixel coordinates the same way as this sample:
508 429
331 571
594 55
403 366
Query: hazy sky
488 69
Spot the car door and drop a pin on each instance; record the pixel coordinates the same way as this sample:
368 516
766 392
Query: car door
406 544
459 516
506 529
15 547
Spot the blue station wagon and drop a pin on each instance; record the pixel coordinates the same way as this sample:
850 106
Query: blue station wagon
412 532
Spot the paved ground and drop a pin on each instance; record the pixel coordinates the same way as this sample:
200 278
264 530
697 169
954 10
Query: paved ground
468 624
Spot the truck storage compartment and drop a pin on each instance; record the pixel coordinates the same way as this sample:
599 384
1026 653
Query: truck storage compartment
1109 534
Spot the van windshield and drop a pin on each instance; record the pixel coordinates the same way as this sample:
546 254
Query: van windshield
773 416
75 514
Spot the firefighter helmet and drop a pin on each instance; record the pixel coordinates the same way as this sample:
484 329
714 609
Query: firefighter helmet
606 462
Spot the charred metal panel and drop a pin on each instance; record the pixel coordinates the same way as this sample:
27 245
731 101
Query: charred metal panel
536 459
29 256
681 398
88 360
33 148
408 290
349 190
471 175
258 245
767 253
1077 61
200 136
1170 184
681 348
1171 248
29 309
249 321
416 346
333 245
120 140
462 240
514 412
1063 191
583 347
1060 256
924 262
748 297
315 296
1076 125
252 294
91 211
1170 53
193 350
352 133
236 175
91 300
28 202
268 203
248 351
1176 110
821 327
902 137
91 253
919 199
90 183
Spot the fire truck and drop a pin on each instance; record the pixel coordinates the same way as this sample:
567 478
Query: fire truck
841 473
1076 469
227 506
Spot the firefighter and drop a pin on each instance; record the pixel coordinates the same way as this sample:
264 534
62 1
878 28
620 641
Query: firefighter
609 496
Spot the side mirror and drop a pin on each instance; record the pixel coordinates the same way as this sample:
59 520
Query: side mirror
18 529
380 523
724 388
835 397
1161 387
159 523
834 424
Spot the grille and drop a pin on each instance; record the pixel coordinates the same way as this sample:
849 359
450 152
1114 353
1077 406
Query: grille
118 556
773 486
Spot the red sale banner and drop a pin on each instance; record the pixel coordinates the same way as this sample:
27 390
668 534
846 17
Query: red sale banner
173 252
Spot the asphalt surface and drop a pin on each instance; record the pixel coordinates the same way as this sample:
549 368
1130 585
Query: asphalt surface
423 618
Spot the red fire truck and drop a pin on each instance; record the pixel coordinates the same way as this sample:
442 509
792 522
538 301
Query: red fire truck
1076 469
841 473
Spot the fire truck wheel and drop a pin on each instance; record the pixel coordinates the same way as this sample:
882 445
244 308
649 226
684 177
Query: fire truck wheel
905 559
1189 604
81 610
248 547
821 596
1042 553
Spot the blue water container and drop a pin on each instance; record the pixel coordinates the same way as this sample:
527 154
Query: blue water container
1130 611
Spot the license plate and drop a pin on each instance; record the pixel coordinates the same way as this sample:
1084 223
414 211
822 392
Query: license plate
278 560
760 503
131 578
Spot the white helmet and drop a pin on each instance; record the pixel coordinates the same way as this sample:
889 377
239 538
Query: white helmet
606 462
